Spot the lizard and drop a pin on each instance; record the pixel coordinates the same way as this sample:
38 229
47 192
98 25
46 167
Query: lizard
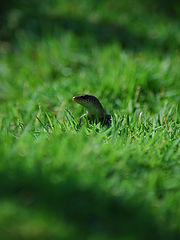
95 111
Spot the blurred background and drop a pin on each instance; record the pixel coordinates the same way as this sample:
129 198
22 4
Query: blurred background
60 41
126 53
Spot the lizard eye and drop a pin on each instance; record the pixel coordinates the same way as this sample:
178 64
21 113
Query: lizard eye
85 97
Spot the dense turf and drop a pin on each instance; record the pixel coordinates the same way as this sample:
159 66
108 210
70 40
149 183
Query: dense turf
59 181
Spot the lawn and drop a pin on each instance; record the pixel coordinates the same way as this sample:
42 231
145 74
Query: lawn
61 181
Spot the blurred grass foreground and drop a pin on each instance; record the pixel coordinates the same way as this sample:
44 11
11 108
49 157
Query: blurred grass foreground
59 181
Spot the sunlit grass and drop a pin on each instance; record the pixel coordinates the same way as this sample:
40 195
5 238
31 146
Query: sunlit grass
62 181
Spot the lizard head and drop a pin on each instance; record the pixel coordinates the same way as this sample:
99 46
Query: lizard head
90 102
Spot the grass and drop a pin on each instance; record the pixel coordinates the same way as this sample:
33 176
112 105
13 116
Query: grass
59 181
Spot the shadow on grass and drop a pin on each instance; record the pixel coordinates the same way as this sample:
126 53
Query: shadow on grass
33 21
102 31
88 208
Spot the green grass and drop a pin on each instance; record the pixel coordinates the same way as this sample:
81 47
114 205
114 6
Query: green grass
59 181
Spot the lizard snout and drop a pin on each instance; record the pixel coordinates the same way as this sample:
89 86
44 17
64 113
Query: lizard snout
74 99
